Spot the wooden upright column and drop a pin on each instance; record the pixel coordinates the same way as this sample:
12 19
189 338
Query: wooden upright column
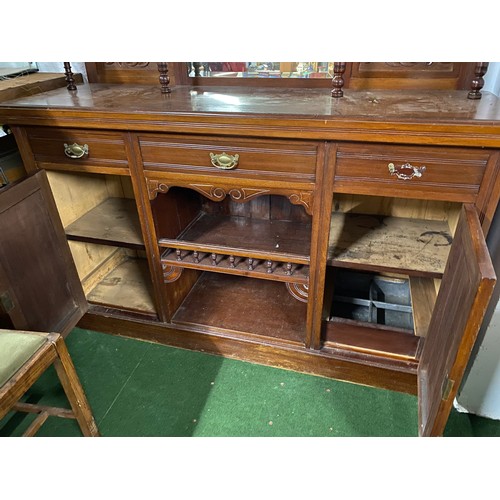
478 81
338 79
69 76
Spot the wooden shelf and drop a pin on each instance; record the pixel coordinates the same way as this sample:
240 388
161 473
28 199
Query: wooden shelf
113 222
277 271
126 287
35 83
378 243
239 306
372 340
246 237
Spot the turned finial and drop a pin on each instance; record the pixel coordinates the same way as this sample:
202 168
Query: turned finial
164 79
478 81
197 67
69 76
338 80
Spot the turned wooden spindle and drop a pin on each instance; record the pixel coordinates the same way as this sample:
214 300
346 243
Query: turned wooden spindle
178 253
478 81
231 261
250 264
269 264
69 76
164 79
338 79
214 259
288 271
195 257
197 66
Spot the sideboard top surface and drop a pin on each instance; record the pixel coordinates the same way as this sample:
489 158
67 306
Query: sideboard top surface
289 113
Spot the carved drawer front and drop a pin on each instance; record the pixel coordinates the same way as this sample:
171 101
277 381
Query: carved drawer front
229 157
453 174
74 149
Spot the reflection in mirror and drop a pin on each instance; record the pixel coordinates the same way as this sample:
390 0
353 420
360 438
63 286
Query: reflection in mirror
261 69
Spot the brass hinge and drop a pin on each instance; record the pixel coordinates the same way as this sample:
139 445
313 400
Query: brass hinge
6 302
447 387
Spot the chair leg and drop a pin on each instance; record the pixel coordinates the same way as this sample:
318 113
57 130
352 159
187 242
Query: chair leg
37 423
73 389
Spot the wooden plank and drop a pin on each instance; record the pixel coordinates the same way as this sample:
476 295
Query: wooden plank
36 266
76 194
259 269
242 306
114 221
50 410
342 366
385 342
22 86
264 237
128 287
423 299
97 274
389 243
465 291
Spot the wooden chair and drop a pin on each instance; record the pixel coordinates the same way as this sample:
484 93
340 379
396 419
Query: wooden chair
24 357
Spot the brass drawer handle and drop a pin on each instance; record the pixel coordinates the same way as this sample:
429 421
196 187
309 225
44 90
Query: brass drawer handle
224 161
75 150
406 171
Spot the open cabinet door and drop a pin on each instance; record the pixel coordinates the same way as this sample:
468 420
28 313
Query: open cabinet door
39 286
466 289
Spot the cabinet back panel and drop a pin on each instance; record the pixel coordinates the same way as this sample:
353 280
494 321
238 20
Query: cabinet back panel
76 194
396 207
174 211
265 207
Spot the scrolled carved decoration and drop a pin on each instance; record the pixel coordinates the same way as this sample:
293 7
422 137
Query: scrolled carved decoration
299 291
245 194
409 64
303 198
241 195
155 187
171 273
236 194
129 65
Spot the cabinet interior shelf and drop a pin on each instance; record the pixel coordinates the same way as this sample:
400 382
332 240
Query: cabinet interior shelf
256 268
236 305
283 241
127 286
371 340
379 243
113 222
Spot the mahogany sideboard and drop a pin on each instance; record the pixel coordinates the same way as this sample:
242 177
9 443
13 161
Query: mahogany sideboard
263 224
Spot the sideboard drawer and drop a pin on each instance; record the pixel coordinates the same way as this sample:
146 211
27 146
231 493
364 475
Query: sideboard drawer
453 174
249 158
75 149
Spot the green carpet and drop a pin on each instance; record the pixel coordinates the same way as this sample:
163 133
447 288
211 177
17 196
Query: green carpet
142 389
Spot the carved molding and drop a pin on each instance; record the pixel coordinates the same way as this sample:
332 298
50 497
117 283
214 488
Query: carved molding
171 273
241 195
154 187
298 291
129 65
237 194
303 198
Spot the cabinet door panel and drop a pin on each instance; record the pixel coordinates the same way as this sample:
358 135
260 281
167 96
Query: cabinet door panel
39 285
466 289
